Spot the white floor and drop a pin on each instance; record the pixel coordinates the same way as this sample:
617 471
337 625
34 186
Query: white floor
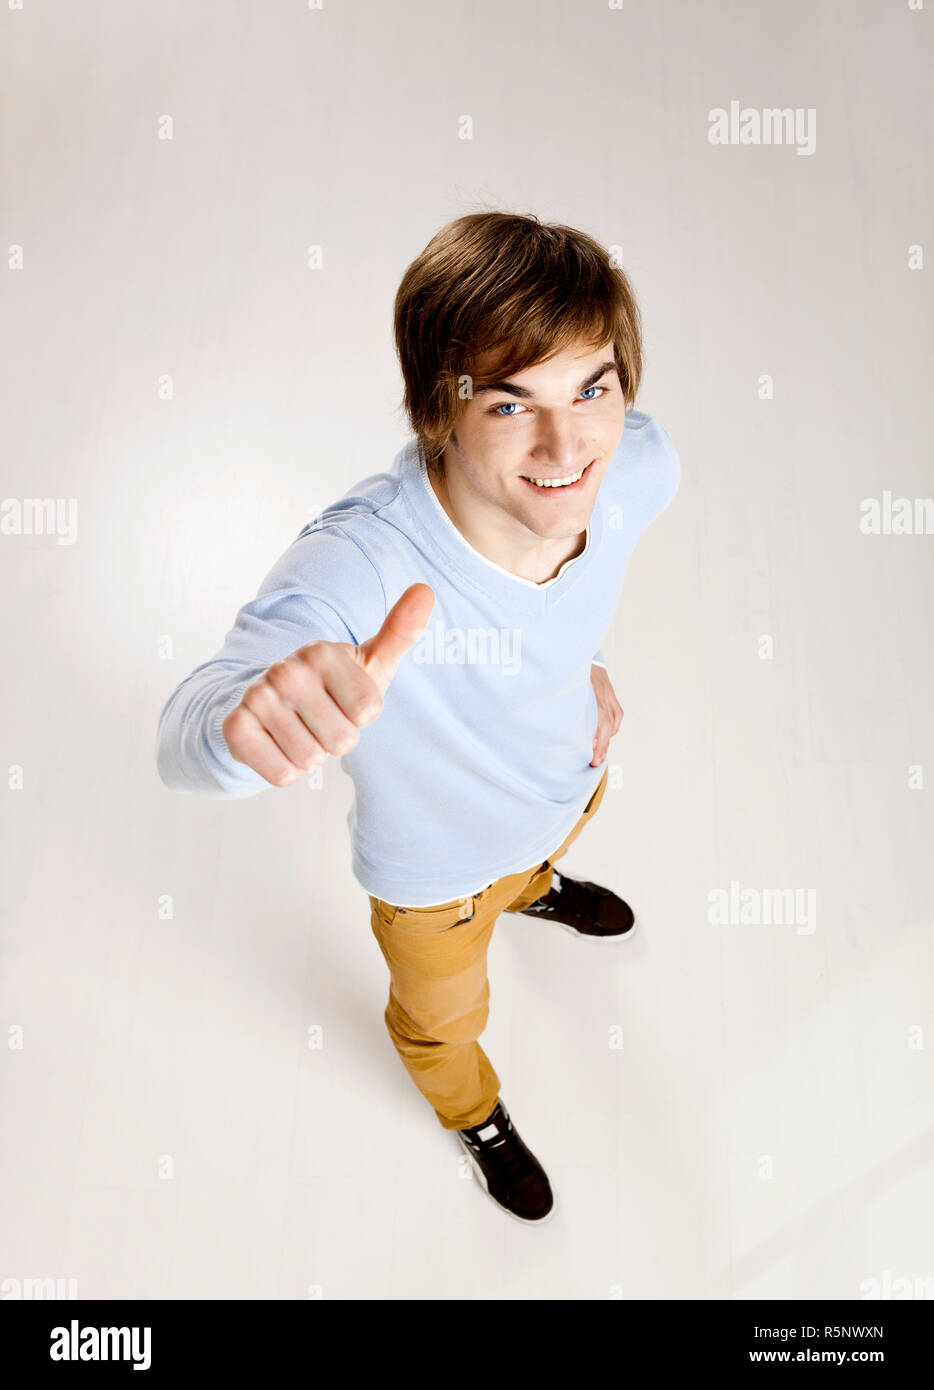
726 1110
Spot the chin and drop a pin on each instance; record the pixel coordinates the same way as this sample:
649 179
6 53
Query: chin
562 528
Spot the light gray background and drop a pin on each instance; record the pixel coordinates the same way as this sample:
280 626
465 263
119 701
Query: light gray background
765 1129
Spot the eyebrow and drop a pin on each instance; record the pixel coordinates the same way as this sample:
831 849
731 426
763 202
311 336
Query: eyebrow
511 389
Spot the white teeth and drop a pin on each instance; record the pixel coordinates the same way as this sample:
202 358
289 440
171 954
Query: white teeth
557 482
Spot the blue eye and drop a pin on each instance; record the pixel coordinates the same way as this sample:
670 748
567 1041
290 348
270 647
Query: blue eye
507 410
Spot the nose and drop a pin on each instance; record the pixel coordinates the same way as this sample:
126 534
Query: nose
559 442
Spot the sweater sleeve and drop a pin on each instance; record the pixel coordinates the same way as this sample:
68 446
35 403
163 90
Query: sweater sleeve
324 588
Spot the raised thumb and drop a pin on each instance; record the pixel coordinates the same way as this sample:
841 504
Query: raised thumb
401 629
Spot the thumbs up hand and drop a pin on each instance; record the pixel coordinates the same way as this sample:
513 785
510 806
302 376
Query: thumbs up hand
317 700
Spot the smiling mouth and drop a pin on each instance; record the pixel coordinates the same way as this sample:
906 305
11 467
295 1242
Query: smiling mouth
568 483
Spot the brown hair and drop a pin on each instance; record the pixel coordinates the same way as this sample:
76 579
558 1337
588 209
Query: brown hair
515 287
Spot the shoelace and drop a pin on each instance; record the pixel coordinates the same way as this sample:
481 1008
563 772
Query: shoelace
504 1149
579 901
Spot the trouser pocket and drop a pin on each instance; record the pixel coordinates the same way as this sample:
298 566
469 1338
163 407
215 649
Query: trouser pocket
425 920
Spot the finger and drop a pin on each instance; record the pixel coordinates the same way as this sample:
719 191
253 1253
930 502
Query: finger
325 719
292 735
293 714
256 747
352 689
401 629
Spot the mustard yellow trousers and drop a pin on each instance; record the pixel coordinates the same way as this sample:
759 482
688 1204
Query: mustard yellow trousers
439 994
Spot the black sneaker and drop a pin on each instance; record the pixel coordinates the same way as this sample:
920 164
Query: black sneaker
509 1173
585 909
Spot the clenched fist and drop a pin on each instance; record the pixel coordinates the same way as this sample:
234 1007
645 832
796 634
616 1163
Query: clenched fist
317 700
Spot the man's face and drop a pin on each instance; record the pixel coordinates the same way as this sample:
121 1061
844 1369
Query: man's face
556 423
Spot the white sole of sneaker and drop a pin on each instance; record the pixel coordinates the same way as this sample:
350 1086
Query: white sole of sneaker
481 1178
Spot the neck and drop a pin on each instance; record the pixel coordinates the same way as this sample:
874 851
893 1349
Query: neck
509 544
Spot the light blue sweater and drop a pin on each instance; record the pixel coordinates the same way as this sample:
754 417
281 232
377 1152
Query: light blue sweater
479 764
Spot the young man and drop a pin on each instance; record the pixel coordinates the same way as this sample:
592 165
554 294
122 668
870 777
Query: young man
490 557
